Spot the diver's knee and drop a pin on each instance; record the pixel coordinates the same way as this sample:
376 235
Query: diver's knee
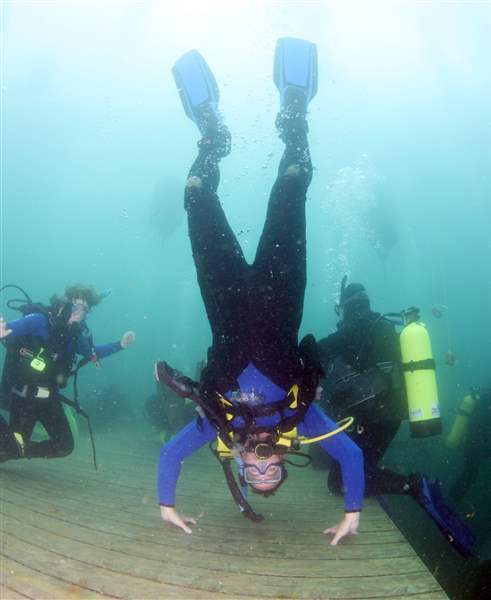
65 448
293 171
194 182
297 176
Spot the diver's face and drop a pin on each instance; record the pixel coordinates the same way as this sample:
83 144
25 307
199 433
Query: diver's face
263 474
80 310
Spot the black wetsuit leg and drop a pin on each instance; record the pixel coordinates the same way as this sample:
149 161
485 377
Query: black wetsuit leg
8 445
220 264
254 311
279 269
374 439
26 412
23 416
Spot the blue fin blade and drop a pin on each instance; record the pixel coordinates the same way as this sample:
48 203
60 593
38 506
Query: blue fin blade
196 84
295 65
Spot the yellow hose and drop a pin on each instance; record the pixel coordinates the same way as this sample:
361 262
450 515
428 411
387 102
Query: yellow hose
342 425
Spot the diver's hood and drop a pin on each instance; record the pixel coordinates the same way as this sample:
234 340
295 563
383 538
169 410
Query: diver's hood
353 298
255 388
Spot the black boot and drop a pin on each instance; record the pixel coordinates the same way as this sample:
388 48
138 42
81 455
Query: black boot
216 136
291 122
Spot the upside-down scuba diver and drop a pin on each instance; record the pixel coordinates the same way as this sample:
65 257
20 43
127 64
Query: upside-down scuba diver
256 393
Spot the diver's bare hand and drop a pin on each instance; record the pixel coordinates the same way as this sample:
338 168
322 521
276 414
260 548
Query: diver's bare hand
127 339
4 332
170 515
348 526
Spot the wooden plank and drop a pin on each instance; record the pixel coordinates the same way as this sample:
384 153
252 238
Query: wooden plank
136 523
21 581
26 525
105 530
159 542
8 594
136 495
77 561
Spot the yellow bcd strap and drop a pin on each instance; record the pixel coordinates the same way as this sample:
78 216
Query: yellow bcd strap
287 438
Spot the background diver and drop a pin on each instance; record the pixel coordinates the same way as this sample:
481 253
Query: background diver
471 433
41 351
364 368
166 411
259 383
362 361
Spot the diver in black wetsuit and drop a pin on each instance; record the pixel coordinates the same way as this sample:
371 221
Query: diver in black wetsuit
362 362
237 296
259 382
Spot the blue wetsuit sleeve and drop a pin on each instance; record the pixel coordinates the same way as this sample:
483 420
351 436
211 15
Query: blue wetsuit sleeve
84 347
342 449
187 441
103 350
33 324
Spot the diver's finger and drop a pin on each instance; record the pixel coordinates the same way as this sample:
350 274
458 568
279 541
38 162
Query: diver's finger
331 530
340 534
180 523
191 520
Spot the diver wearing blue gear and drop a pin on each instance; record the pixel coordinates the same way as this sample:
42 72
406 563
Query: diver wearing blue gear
36 325
41 350
255 310
195 435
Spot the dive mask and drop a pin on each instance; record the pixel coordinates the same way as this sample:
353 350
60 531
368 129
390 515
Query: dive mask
79 310
272 473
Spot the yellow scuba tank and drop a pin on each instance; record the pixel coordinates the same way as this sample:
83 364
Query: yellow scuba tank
418 367
461 424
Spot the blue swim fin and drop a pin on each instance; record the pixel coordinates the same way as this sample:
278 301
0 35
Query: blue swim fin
458 535
295 70
197 87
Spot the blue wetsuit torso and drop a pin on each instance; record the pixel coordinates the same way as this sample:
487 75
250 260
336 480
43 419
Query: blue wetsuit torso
36 325
193 437
58 343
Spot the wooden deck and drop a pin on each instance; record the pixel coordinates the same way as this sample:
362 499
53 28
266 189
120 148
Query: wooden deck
69 532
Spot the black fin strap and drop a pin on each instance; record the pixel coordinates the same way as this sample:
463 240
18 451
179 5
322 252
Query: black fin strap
244 506
79 410
419 365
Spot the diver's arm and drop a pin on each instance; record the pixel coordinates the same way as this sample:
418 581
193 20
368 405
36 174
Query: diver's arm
85 348
104 350
33 324
187 441
350 458
331 346
342 449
